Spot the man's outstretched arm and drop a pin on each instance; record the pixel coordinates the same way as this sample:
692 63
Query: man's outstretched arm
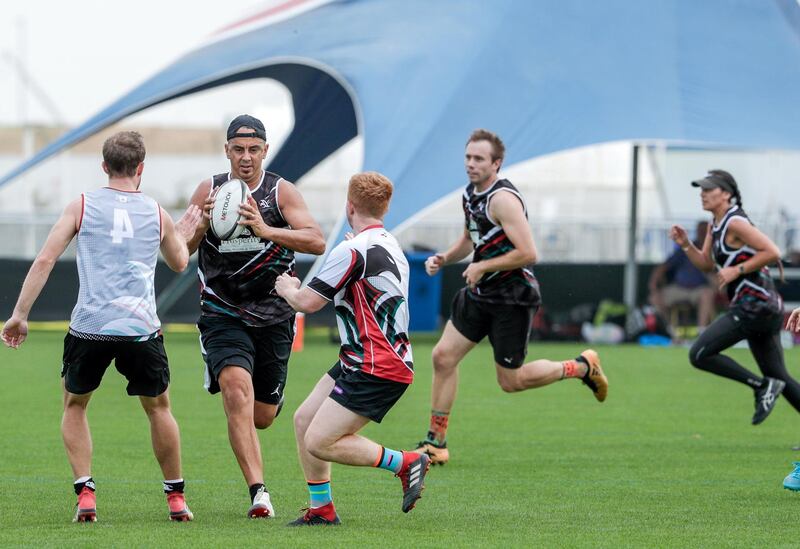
15 329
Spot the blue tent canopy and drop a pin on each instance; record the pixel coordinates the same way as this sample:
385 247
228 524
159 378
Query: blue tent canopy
414 78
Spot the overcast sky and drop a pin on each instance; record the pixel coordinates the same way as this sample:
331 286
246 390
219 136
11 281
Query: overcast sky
84 54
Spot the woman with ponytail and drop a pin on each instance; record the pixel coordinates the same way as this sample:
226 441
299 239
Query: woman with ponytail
740 254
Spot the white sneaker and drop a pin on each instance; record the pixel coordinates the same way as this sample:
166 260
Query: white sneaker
262 506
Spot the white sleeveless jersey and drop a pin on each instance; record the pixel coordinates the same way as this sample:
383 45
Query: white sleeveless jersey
118 243
367 279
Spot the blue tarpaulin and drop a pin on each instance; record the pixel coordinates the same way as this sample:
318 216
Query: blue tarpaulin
414 78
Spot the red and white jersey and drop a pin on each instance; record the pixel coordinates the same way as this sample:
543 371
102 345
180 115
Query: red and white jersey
367 279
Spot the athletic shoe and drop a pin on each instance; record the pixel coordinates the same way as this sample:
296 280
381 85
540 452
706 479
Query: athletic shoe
439 454
86 507
178 510
595 379
792 480
262 506
412 475
319 516
766 396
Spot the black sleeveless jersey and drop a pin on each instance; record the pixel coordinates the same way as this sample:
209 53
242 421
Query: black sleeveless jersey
237 276
517 286
753 294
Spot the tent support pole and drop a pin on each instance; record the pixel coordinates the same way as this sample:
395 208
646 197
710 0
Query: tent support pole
629 287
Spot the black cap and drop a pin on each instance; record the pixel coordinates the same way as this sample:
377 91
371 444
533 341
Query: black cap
246 121
717 178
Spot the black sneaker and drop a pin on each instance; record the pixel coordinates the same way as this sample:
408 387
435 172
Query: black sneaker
766 396
313 517
412 475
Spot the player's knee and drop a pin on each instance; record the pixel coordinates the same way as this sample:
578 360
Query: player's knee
315 444
75 402
443 360
263 420
509 385
155 411
697 356
237 394
302 420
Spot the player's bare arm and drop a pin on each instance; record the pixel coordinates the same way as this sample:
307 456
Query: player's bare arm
506 209
203 198
700 258
460 249
304 235
15 329
175 236
741 233
302 300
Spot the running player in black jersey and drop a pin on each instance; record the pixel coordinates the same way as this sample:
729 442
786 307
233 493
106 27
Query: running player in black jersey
740 253
500 298
246 329
792 480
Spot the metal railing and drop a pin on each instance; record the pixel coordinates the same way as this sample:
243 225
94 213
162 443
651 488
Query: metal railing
566 241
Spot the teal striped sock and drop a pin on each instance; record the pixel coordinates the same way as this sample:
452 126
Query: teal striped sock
391 460
319 493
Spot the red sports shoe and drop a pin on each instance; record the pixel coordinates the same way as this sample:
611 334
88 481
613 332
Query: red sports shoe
412 475
86 507
178 510
319 516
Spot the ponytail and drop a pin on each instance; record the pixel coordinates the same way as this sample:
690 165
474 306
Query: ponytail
738 196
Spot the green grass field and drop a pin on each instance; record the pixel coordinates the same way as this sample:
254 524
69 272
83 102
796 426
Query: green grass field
669 460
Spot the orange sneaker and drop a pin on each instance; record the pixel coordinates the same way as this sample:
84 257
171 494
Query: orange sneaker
595 379
439 454
178 510
86 508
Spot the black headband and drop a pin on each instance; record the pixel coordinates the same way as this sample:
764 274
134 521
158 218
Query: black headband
260 135
246 121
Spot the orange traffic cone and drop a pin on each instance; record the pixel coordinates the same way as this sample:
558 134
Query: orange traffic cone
299 331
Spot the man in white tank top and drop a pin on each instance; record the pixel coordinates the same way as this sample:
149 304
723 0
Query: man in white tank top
120 231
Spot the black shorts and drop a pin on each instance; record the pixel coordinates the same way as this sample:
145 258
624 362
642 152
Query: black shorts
508 326
262 351
143 363
365 394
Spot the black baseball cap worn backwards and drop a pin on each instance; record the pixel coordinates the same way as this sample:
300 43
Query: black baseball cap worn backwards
717 178
246 121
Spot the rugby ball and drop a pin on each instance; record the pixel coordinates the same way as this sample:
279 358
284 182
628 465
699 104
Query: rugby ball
225 214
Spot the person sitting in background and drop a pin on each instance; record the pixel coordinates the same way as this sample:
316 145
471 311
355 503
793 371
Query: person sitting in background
677 280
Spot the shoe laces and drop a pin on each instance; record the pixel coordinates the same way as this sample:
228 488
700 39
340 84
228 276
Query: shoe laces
85 497
262 496
767 398
796 473
176 501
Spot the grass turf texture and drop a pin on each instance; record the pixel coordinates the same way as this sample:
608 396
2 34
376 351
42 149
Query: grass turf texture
670 459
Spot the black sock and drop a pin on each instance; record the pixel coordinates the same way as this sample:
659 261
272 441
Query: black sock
174 486
581 359
79 486
254 490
